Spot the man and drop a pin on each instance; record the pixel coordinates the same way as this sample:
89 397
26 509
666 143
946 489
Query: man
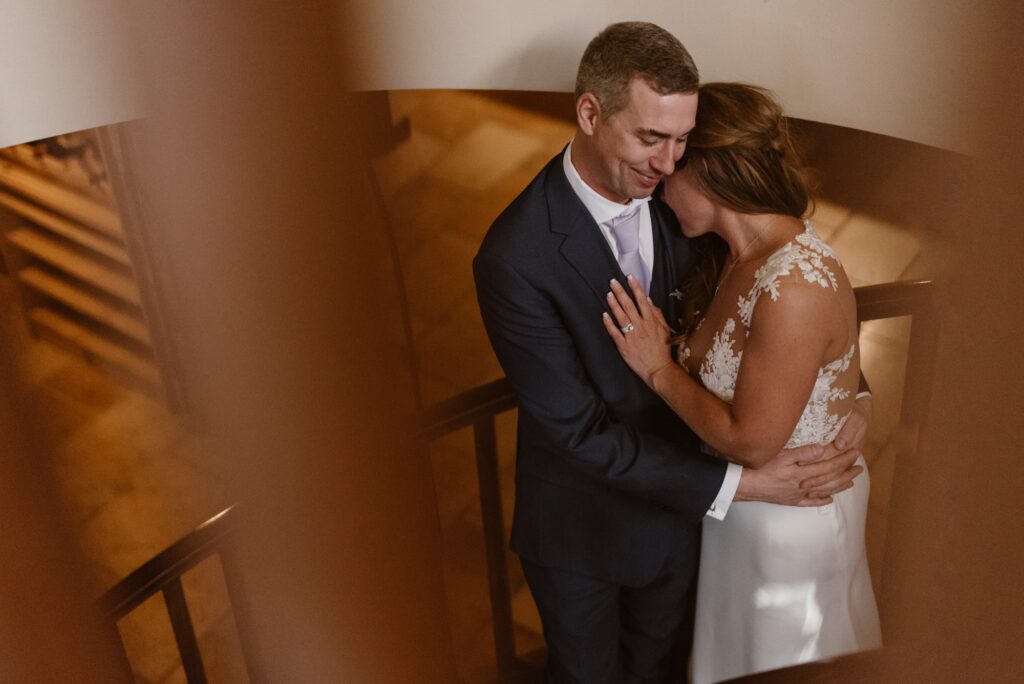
611 486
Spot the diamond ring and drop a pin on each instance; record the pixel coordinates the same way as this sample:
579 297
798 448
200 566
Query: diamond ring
628 328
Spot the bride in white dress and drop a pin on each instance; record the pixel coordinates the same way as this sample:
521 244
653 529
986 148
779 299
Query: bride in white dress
768 359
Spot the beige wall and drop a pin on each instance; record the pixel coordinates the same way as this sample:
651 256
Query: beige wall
65 65
902 69
875 65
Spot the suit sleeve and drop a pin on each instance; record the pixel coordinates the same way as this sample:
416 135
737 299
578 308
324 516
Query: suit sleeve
540 359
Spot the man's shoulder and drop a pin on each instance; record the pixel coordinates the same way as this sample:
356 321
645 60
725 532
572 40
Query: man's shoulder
535 196
527 216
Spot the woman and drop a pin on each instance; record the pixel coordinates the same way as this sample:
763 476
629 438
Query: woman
768 359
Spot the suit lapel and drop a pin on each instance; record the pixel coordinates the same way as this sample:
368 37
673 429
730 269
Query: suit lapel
584 247
673 259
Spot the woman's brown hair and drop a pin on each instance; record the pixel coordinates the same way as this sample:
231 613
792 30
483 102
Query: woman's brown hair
742 155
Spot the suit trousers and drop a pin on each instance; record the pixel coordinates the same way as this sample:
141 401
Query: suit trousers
601 632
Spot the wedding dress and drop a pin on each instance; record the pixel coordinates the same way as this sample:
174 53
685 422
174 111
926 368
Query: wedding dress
782 585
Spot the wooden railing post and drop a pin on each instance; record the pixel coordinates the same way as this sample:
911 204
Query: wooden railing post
921 354
162 574
123 662
231 568
184 633
478 408
486 447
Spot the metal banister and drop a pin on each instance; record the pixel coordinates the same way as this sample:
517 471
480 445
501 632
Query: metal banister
162 574
479 406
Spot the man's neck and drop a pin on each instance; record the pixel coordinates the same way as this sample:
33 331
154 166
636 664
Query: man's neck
583 160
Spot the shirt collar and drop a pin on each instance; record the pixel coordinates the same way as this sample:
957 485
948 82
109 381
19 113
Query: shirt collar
601 208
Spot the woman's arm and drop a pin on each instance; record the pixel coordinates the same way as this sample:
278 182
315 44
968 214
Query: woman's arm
788 340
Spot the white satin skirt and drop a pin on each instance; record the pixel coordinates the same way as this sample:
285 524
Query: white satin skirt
781 585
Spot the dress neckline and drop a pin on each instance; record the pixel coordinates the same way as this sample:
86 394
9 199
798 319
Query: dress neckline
810 235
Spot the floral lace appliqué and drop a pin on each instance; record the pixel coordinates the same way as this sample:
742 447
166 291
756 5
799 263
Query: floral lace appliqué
816 424
807 254
721 365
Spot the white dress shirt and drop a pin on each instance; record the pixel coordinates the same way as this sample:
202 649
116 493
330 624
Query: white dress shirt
603 210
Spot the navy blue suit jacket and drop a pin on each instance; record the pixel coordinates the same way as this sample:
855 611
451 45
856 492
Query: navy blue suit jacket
608 478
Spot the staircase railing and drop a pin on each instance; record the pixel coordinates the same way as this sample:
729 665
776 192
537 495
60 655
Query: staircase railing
479 408
163 574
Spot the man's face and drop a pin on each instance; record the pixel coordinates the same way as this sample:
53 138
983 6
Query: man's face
640 144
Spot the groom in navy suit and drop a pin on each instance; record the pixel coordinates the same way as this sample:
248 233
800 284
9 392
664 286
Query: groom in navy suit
611 485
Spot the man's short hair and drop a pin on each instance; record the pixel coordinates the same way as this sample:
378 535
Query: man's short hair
629 49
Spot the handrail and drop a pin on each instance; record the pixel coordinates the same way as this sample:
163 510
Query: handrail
175 560
918 300
898 298
873 302
478 407
885 300
467 408
162 574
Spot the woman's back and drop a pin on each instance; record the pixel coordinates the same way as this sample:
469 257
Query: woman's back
782 585
714 351
770 324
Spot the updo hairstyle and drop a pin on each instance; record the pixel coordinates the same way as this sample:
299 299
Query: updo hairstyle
741 154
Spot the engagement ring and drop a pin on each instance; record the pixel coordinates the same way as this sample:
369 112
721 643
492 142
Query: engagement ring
628 328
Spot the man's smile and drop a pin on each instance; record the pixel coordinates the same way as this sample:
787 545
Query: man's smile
646 180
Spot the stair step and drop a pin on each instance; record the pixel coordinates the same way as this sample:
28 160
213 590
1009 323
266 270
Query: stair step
81 267
50 193
64 228
73 176
96 348
84 303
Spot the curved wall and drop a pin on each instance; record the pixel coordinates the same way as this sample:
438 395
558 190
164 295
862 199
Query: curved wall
65 65
900 69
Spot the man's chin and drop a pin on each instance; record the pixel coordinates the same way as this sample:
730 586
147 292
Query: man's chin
642 191
636 191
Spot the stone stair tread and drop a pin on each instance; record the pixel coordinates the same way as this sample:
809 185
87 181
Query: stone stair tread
79 266
59 198
93 346
85 303
65 228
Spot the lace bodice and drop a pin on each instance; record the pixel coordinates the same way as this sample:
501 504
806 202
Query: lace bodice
808 257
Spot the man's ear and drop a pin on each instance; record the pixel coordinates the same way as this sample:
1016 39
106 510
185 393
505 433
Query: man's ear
588 112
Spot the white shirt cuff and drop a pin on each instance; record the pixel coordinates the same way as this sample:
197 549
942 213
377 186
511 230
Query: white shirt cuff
726 493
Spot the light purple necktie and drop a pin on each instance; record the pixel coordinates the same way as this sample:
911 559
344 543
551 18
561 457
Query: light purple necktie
626 230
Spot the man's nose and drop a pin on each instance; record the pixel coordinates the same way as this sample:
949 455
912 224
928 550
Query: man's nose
664 162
